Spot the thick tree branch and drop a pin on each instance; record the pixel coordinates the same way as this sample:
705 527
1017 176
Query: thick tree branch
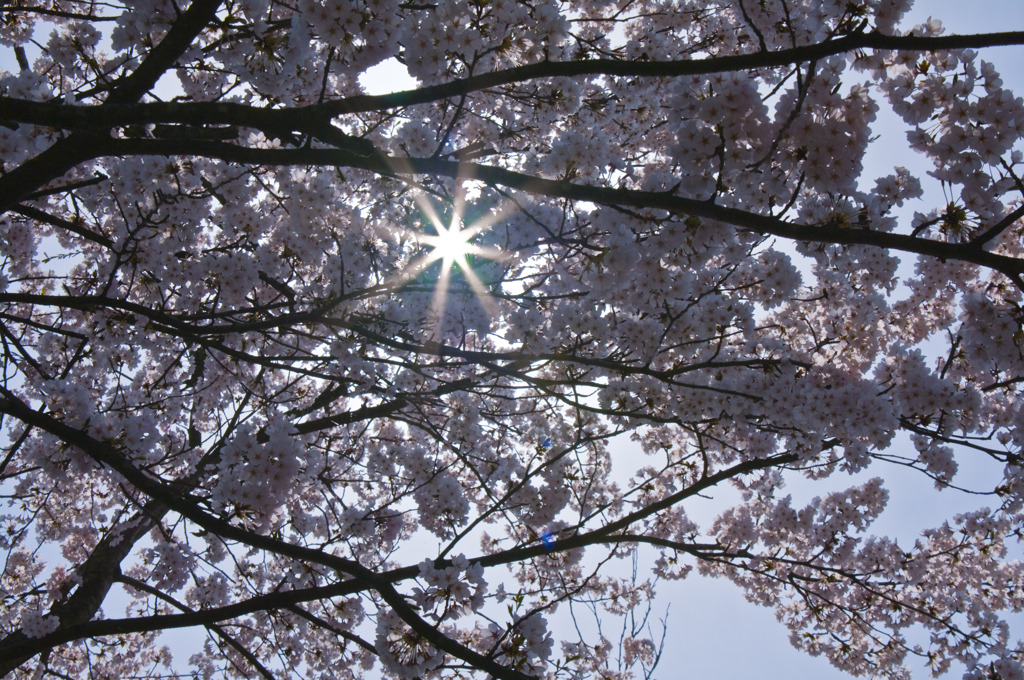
52 114
668 201
183 31
66 153
97 574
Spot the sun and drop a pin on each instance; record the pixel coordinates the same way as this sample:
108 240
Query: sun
452 245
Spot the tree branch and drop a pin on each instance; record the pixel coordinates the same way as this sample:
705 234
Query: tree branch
563 189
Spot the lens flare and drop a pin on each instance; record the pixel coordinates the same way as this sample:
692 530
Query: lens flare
452 245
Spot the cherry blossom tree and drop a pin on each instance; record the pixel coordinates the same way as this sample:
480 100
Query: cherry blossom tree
337 380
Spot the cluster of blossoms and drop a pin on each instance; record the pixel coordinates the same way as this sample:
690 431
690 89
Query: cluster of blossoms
460 36
451 591
255 477
36 624
172 564
526 645
403 652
